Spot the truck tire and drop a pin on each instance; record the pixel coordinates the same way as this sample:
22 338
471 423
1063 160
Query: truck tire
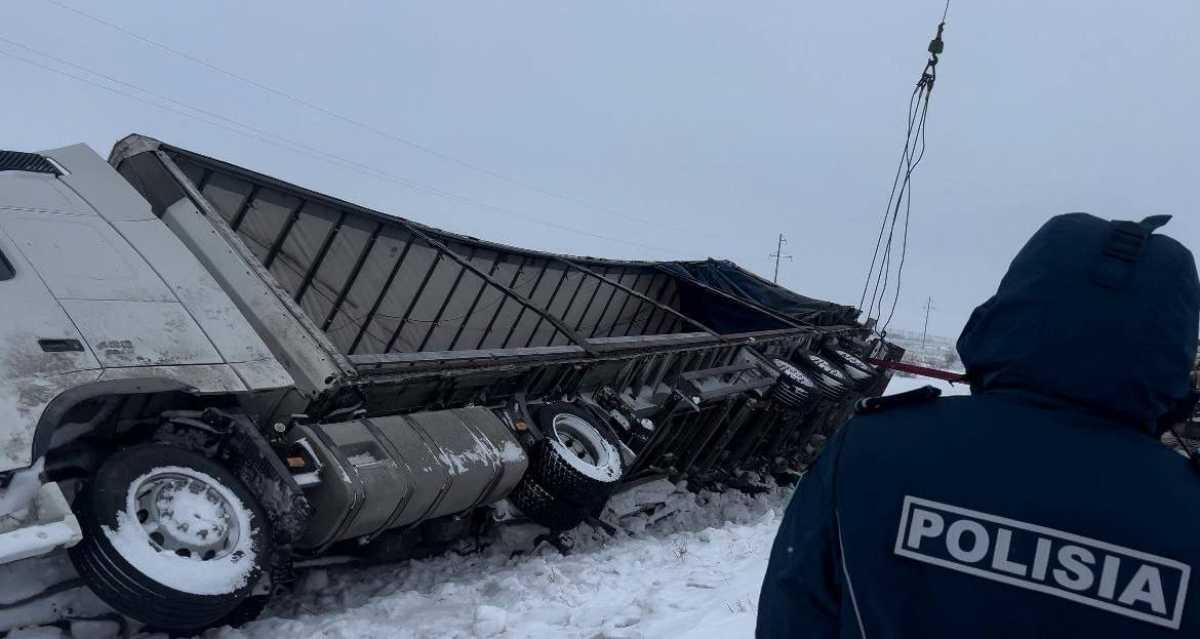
541 507
795 388
579 461
170 537
830 378
862 373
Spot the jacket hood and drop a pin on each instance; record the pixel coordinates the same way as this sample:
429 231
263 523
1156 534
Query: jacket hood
1102 315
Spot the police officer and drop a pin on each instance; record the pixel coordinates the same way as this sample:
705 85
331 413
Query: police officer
1043 505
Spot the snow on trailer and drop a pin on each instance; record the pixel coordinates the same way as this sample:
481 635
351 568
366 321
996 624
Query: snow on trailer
358 383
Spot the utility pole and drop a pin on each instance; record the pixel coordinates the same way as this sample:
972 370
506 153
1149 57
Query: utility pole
925 331
778 255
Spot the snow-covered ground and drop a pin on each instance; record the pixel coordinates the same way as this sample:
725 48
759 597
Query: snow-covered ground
900 384
692 568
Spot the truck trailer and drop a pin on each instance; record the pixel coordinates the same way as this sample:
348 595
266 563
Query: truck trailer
207 374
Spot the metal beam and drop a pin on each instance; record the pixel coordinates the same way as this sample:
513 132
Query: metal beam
500 307
433 264
204 178
658 296
521 313
607 304
492 354
520 298
587 307
383 292
624 304
437 319
358 264
277 243
244 207
636 294
549 303
311 274
496 261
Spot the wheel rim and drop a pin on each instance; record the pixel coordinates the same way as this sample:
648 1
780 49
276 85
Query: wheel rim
582 440
186 515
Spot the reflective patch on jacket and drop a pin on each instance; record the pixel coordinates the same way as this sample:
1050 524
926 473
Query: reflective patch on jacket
1113 578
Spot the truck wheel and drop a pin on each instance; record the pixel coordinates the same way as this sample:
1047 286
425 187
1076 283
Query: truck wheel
832 380
579 461
543 508
170 537
794 388
860 371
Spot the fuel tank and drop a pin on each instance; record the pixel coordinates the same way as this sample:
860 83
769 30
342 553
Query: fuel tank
380 473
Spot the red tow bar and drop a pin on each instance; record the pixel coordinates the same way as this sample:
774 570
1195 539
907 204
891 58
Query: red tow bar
924 371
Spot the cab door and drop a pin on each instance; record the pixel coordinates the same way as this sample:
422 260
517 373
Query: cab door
37 337
42 353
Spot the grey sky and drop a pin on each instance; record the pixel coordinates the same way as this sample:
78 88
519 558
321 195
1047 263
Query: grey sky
719 123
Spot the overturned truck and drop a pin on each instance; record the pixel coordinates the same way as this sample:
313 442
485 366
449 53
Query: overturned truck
207 373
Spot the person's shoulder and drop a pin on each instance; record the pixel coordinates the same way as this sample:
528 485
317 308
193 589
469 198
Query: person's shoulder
1167 461
888 403
921 408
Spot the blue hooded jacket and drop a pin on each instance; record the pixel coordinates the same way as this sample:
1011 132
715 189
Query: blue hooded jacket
1043 505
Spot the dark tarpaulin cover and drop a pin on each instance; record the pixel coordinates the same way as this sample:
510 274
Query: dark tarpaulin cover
730 278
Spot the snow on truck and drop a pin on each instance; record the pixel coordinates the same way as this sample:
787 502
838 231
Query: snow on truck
207 373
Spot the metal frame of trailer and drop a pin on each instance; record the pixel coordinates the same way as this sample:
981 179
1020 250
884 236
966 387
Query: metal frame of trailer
417 318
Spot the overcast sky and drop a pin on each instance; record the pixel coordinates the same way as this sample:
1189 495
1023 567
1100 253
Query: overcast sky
690 128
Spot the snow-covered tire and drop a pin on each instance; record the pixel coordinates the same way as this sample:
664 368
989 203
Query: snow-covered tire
795 388
144 555
541 507
250 609
579 461
862 373
830 378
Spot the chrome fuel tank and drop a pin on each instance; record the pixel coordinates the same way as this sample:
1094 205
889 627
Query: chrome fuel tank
386 472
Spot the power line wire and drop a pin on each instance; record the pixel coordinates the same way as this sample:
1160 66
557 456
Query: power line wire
901 193
241 128
366 126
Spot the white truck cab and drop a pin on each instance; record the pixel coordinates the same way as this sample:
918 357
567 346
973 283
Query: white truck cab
98 295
